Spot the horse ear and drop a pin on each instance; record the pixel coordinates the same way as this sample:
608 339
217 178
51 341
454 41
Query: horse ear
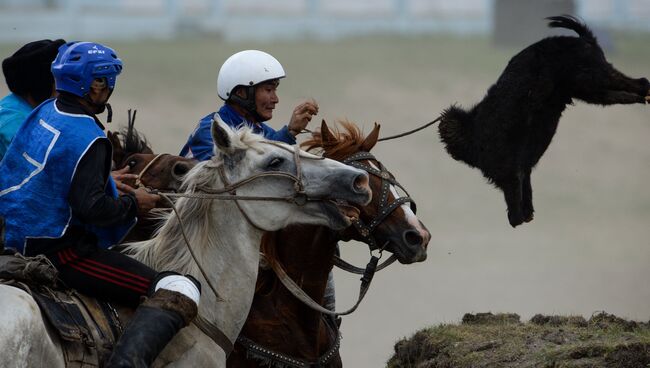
221 138
326 135
118 150
371 139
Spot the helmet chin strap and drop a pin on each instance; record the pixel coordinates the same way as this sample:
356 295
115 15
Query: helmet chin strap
248 103
100 107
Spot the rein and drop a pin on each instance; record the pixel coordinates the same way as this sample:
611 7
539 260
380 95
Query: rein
299 198
410 131
301 295
138 179
269 357
366 232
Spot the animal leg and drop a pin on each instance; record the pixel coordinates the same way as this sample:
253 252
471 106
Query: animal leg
513 195
527 199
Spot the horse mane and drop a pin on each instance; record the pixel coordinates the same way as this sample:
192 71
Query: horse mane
133 141
347 141
167 250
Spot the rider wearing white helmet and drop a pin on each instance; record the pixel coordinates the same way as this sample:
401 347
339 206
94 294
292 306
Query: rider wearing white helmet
247 82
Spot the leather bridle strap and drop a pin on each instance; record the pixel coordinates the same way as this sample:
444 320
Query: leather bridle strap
264 354
385 208
301 295
346 266
212 331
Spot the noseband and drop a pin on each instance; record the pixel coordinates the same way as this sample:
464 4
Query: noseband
138 179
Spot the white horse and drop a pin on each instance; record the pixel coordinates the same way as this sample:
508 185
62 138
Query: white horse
225 236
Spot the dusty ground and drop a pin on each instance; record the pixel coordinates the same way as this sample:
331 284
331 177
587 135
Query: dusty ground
588 248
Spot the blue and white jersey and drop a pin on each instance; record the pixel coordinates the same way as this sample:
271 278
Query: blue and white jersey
201 147
36 174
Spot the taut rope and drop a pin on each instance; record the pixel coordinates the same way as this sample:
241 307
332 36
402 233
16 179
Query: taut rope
410 131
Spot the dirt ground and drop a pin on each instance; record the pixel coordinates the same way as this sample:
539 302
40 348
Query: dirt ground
587 249
486 340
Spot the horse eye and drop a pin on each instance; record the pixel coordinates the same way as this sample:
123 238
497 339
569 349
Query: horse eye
132 163
276 162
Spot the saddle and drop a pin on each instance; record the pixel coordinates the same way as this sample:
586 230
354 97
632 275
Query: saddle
87 328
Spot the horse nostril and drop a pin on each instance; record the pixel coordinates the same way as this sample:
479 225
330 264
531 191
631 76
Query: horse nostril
180 169
361 182
412 237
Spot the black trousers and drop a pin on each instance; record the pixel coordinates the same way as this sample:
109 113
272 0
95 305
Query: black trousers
103 274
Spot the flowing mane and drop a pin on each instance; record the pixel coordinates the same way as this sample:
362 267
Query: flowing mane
347 142
167 250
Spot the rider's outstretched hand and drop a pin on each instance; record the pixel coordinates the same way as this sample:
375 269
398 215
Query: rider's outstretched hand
302 115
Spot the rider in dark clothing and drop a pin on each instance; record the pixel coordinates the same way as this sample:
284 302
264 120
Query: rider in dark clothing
59 199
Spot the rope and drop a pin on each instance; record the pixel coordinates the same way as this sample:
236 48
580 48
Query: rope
189 247
410 131
138 179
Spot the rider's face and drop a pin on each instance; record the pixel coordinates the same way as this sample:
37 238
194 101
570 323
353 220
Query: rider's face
266 98
99 91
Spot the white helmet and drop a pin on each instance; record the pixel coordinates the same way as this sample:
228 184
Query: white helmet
247 68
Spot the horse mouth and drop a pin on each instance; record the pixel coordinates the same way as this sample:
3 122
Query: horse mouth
340 213
348 211
407 256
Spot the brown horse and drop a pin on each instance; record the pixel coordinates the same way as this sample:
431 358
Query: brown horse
280 330
162 172
159 171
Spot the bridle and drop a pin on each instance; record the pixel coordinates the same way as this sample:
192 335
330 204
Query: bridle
229 191
385 208
366 232
262 353
299 197
138 179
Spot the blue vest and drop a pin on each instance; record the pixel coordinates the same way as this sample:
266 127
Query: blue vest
201 147
36 174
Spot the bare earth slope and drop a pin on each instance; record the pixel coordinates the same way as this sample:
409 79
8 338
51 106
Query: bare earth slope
486 340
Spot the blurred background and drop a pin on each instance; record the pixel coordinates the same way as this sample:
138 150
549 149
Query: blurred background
400 63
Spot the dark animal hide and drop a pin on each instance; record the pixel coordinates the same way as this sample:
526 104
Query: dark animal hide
507 133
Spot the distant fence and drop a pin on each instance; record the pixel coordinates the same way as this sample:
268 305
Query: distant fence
22 20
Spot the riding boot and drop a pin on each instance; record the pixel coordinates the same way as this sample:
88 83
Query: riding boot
154 324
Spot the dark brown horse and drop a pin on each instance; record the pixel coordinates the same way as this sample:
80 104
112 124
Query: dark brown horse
159 171
162 172
278 323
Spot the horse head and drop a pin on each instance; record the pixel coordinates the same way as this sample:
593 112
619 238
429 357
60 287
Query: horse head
389 220
160 171
293 187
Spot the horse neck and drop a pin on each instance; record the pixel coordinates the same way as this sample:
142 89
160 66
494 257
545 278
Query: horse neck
227 247
307 254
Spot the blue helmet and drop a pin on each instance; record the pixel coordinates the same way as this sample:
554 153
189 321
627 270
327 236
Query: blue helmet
79 63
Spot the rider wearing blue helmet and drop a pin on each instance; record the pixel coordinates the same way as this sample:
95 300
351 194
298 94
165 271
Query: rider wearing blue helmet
58 199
